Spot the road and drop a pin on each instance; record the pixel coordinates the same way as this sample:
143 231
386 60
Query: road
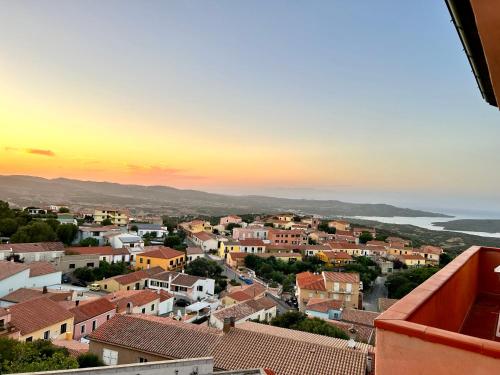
370 299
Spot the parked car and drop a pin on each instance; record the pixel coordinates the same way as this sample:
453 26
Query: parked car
65 279
79 283
95 287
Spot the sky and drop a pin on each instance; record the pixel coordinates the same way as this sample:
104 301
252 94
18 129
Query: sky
355 100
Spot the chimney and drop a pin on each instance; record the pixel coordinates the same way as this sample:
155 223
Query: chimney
44 290
77 302
228 324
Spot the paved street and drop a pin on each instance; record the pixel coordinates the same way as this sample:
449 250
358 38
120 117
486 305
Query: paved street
370 300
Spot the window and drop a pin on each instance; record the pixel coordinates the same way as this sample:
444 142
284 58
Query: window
141 260
348 298
348 287
152 307
142 360
148 261
107 317
82 329
91 264
144 310
109 357
171 262
336 287
46 335
72 265
105 286
64 327
199 288
29 339
94 325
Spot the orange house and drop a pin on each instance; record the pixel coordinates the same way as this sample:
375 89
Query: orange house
164 257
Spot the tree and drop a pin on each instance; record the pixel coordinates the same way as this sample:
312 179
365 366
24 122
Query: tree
67 233
86 360
37 231
444 259
401 283
54 224
63 210
325 228
106 221
365 237
8 226
39 355
134 228
231 226
172 240
89 241
300 322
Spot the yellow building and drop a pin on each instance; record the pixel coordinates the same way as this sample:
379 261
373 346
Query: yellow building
285 217
228 247
400 251
164 257
130 281
41 319
117 217
340 225
196 226
412 260
334 258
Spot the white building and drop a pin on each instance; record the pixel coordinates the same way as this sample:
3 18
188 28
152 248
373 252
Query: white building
251 232
128 240
193 253
205 240
183 286
34 251
14 276
96 232
154 230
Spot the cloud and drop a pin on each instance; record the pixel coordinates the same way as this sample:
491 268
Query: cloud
36 151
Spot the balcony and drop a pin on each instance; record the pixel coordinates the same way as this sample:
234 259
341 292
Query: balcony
447 325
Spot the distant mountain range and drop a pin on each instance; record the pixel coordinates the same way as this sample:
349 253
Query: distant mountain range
30 190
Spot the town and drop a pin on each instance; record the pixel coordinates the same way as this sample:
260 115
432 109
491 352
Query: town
79 278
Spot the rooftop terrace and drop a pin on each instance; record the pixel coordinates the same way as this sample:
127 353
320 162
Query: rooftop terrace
451 320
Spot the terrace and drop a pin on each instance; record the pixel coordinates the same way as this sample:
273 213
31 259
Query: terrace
447 325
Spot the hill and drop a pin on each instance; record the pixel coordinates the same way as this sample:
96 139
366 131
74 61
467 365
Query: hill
473 225
29 190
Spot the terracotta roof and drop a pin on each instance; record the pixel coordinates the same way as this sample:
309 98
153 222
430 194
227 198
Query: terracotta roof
303 336
252 242
100 250
164 295
135 297
436 250
323 304
88 310
8 269
342 277
25 294
363 317
385 303
310 281
244 309
38 314
75 348
342 245
154 335
41 268
244 293
33 247
284 351
240 255
163 252
358 332
183 279
136 276
337 255
411 257
191 250
376 242
203 236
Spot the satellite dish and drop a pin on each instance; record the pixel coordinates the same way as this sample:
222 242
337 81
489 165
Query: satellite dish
351 344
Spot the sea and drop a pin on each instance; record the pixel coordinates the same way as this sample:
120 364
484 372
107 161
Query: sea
426 222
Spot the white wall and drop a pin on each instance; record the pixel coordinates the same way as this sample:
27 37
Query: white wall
14 282
45 280
166 306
